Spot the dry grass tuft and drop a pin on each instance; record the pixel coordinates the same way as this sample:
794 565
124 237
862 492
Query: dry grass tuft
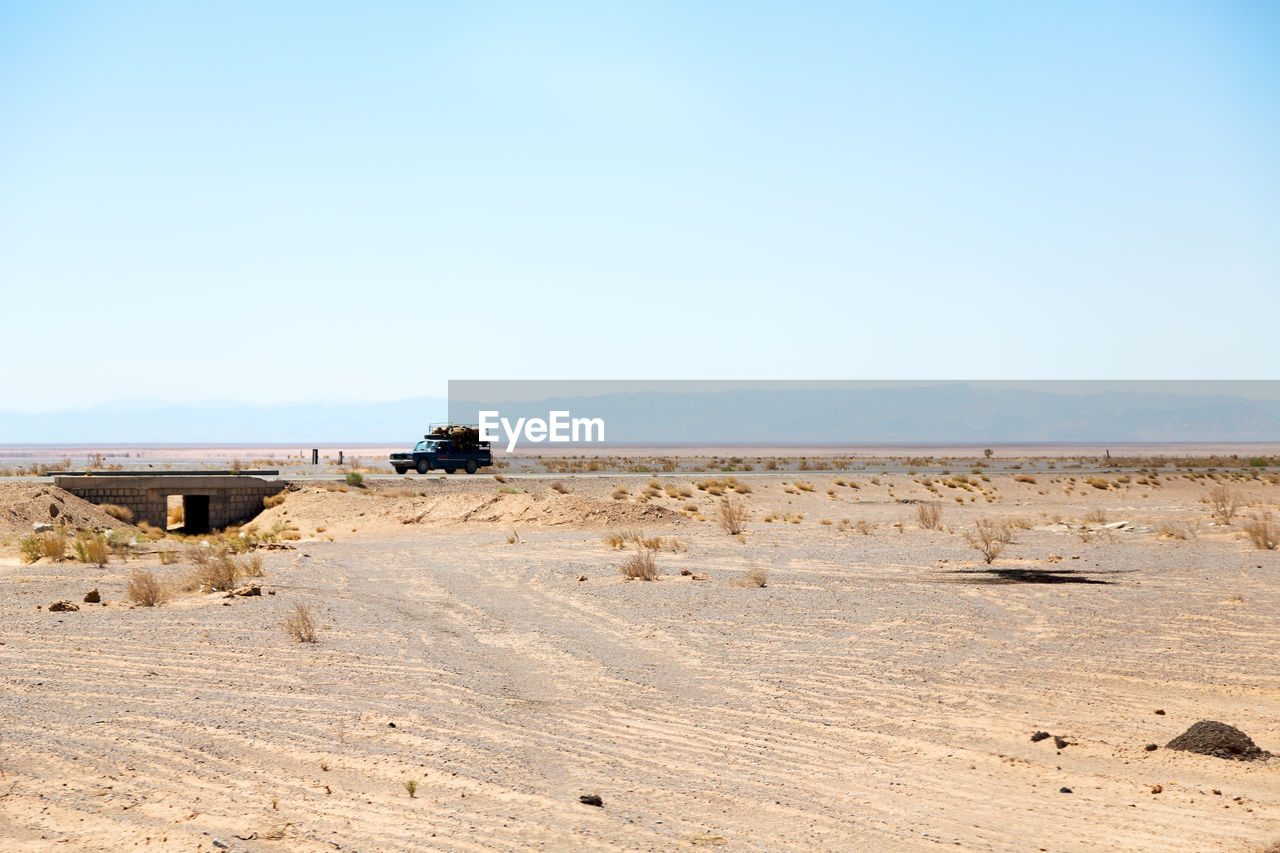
119 513
276 499
753 577
731 517
1263 531
301 625
640 566
560 487
146 589
220 570
929 515
1095 516
1169 531
93 548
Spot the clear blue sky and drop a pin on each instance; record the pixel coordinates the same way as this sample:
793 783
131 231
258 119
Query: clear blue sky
264 201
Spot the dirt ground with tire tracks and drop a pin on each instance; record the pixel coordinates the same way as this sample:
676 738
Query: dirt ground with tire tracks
478 645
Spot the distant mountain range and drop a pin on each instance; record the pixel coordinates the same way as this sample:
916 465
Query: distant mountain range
944 413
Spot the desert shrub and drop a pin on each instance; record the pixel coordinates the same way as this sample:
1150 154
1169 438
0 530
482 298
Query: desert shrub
175 515
988 538
1023 478
1263 531
804 487
928 515
168 558
355 478
754 577
640 566
1095 516
1169 531
865 527
92 548
1098 483
731 517
1225 502
29 548
276 499
500 478
559 487
146 589
300 625
119 513
620 494
616 541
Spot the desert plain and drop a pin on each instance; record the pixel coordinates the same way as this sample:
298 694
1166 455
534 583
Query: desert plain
845 673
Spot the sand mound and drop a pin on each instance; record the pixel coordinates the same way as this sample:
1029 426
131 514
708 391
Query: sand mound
1209 737
25 504
313 509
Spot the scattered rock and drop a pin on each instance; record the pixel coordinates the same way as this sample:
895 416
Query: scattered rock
1039 736
1060 742
1217 792
701 577
1209 737
1151 747
41 527
1064 790
1055 558
684 573
1157 789
582 577
54 510
591 800
220 844
92 597
63 607
1160 711
245 590
391 725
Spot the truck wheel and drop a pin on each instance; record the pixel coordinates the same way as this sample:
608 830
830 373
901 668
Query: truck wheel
471 466
450 470
423 466
400 469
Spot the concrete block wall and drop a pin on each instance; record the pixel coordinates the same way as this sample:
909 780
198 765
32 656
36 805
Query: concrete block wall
238 504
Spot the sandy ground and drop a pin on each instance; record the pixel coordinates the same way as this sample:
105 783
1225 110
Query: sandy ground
878 693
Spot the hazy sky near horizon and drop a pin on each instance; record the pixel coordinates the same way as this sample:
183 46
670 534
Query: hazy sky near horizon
289 201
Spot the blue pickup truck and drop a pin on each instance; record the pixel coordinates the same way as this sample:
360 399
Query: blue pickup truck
448 448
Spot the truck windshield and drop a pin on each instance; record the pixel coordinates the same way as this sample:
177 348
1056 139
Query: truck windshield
424 445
